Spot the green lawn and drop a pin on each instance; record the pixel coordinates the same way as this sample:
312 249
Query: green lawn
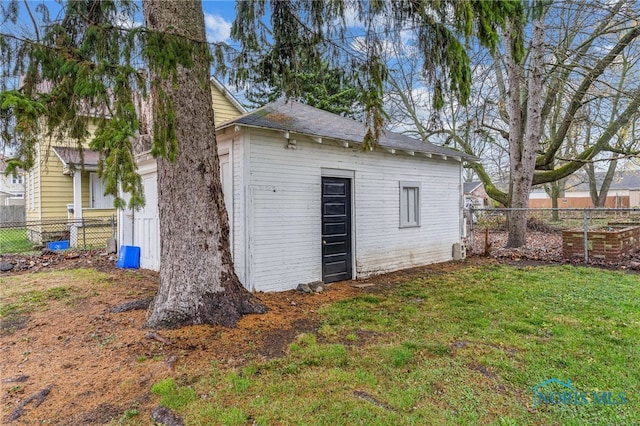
14 240
465 347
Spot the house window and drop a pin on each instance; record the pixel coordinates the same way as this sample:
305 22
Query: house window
409 204
17 180
98 199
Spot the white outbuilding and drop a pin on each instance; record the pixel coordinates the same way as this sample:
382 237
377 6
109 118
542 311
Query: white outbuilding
307 204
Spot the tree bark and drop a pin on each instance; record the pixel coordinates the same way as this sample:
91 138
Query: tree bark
524 138
198 284
516 220
599 197
555 191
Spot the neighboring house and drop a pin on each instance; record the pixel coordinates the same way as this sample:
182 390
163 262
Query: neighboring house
134 226
623 193
64 196
62 187
11 186
306 203
475 195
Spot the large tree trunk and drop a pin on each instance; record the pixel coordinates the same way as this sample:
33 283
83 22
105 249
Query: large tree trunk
524 139
516 219
198 284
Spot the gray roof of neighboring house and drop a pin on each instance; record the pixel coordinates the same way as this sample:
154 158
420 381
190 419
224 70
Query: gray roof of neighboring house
467 187
621 180
295 117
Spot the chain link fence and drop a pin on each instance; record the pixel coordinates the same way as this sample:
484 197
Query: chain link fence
592 235
62 234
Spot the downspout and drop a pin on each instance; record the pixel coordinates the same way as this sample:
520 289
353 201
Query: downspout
461 234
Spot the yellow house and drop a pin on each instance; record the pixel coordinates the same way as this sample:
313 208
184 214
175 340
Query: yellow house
64 197
225 105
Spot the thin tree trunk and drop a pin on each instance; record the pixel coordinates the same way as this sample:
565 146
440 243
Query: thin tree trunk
599 197
555 216
556 190
198 284
593 186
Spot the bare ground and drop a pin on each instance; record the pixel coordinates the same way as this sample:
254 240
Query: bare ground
80 364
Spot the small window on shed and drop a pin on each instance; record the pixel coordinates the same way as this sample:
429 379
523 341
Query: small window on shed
409 204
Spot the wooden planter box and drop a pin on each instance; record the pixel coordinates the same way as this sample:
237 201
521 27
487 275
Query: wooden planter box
610 243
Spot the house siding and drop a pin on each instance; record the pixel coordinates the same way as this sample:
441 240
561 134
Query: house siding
86 191
56 189
223 109
32 193
235 148
48 190
142 227
284 194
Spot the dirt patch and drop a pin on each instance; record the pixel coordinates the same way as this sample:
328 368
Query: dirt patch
101 414
13 323
275 342
97 364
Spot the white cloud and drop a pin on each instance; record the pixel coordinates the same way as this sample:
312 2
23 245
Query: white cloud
127 22
351 18
218 29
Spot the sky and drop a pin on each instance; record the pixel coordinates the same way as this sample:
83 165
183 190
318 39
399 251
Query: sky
219 15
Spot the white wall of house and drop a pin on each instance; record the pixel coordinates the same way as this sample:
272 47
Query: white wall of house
538 195
274 199
12 188
277 208
542 195
142 227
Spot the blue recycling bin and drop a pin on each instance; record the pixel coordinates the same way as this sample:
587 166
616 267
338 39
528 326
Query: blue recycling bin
129 257
58 245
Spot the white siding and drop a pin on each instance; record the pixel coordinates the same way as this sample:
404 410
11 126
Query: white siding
276 217
142 227
146 226
284 192
235 148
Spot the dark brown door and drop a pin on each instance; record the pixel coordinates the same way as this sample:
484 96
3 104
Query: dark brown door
336 229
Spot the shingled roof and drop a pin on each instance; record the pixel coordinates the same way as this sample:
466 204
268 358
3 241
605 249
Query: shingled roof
468 187
298 118
71 157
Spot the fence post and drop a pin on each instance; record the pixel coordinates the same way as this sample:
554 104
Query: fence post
585 233
470 221
84 235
